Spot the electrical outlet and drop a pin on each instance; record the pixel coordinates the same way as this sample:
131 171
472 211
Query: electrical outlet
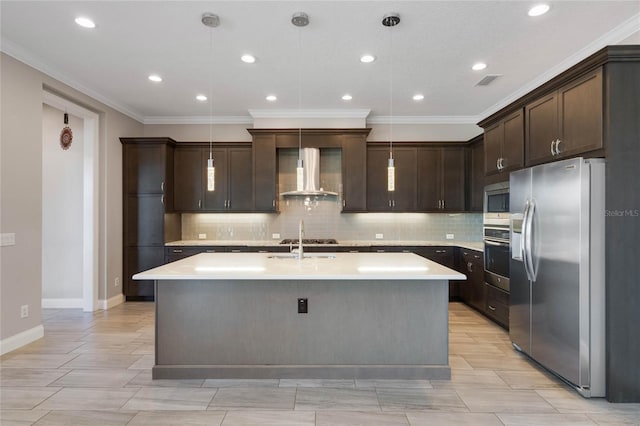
116 282
24 311
379 236
202 236
275 236
303 306
450 236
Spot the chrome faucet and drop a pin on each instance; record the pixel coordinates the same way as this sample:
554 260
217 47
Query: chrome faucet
300 235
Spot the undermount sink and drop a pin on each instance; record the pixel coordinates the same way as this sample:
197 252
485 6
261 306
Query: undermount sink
305 256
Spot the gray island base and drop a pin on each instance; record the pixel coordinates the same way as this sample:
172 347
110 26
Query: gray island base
242 322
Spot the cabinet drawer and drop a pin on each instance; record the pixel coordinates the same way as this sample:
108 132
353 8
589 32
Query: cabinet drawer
497 305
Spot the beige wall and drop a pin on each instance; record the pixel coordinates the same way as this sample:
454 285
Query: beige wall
21 190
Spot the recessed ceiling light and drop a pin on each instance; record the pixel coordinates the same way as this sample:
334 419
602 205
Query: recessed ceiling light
249 59
538 10
201 98
479 66
418 97
85 22
347 97
271 98
155 78
366 59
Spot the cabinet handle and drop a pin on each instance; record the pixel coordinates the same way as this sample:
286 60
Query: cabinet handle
273 203
470 267
228 204
393 203
199 204
558 146
498 163
389 203
162 199
211 251
443 204
344 202
501 163
235 251
492 308
441 251
177 251
380 251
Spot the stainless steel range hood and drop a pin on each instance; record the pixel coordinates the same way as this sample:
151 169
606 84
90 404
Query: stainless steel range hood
311 164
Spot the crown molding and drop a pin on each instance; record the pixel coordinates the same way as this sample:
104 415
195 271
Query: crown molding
229 119
616 35
23 55
416 119
309 113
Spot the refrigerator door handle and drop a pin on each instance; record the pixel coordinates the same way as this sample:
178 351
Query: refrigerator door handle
528 257
523 242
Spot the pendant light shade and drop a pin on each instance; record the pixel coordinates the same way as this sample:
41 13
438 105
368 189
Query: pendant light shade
391 176
211 174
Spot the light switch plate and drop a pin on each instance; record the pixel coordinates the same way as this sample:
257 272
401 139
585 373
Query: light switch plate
202 236
7 239
450 236
379 236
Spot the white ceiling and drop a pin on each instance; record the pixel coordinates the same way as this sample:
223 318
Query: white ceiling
433 50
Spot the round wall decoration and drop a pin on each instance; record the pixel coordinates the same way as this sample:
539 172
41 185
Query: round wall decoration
66 135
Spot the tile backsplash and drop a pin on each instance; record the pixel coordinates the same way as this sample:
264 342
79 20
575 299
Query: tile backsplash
323 217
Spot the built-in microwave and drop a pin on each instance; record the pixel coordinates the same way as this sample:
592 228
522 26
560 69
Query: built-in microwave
496 203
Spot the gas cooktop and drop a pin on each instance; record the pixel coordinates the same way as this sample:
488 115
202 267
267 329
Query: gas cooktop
309 241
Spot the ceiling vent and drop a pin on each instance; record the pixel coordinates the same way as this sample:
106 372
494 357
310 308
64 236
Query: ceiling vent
488 79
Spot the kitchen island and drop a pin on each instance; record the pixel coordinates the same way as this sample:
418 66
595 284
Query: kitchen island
237 315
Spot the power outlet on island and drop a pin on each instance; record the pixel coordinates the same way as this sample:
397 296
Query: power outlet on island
275 236
303 305
449 236
202 236
24 311
379 236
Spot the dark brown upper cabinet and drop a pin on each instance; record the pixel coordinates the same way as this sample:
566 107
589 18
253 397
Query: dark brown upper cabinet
354 173
441 179
475 175
566 122
504 145
233 179
404 198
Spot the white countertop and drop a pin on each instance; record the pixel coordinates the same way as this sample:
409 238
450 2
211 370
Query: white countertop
315 266
349 243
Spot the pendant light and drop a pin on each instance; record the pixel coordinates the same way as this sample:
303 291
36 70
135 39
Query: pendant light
211 20
391 20
300 19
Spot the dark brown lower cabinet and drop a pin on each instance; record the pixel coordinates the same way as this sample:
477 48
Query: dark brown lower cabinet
497 307
472 291
140 259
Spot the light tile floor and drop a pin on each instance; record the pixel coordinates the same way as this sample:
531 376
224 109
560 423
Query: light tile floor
95 369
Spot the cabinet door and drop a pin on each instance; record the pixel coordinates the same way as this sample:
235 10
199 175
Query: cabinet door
429 185
140 259
580 115
264 173
187 168
144 220
513 142
493 137
452 173
144 168
240 180
405 197
541 128
215 200
476 179
354 173
378 198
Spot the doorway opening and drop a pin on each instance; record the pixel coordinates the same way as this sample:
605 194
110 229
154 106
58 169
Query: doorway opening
70 207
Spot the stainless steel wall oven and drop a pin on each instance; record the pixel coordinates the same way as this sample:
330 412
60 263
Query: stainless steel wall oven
496 235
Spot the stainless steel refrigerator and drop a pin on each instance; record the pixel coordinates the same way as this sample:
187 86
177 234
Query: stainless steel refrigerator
556 313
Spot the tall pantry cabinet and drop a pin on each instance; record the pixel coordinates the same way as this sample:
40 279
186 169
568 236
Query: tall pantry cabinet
148 217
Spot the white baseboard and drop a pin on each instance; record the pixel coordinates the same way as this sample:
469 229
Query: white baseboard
19 340
62 303
110 303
